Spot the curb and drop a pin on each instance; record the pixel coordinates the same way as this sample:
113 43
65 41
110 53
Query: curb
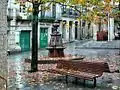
94 48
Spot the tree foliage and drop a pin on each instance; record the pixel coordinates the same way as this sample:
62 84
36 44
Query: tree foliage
90 10
96 9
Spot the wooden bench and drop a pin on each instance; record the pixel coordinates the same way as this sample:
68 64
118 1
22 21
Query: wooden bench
85 70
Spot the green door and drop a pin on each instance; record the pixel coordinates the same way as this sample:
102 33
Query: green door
43 37
25 40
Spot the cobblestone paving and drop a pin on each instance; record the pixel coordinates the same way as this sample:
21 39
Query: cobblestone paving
20 79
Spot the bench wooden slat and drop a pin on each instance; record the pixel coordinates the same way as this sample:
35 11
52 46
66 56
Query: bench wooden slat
75 74
81 69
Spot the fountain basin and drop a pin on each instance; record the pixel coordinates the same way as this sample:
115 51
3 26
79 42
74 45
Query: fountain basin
56 51
53 60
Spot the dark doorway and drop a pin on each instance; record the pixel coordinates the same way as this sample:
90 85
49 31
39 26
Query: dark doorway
76 29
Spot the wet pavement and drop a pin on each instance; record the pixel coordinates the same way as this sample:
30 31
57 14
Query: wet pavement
20 79
115 44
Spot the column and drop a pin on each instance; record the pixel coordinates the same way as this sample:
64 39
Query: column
11 39
95 29
67 30
111 29
73 31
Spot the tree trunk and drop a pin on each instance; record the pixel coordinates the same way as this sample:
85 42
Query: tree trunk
34 62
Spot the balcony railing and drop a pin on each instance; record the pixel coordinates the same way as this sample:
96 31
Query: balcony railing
20 18
46 19
43 18
69 13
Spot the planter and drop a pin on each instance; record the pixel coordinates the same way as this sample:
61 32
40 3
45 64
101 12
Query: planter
102 36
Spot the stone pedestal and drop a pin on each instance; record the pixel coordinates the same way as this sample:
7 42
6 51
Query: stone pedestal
56 48
3 44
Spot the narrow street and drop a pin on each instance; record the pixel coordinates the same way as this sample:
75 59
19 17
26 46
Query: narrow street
18 80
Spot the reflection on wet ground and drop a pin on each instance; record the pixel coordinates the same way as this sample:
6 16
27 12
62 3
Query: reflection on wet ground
19 79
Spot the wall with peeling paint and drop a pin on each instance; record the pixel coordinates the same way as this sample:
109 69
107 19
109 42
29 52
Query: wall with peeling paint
3 43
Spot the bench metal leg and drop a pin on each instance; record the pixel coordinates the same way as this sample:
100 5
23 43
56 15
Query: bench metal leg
94 82
84 83
66 78
76 80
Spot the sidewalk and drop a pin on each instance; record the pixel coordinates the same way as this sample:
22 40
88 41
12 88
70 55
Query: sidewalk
115 44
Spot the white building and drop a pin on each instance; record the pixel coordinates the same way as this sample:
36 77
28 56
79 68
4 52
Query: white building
20 25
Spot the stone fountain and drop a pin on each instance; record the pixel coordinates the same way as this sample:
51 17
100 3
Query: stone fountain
56 50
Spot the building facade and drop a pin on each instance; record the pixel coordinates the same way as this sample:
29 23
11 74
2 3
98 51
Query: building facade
71 26
20 25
